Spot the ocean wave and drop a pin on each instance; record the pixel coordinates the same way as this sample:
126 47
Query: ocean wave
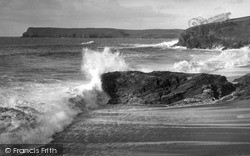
95 63
43 53
33 112
89 42
166 44
214 48
227 59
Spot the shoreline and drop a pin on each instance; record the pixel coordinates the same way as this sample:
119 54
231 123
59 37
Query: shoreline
147 127
127 129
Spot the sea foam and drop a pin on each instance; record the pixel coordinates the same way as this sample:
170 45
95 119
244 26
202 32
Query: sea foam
89 42
32 112
165 44
228 59
95 63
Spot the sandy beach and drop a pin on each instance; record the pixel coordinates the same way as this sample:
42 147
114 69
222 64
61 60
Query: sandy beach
217 129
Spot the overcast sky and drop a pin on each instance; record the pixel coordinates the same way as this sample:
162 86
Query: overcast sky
17 15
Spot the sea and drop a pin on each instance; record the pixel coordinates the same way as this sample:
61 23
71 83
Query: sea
46 82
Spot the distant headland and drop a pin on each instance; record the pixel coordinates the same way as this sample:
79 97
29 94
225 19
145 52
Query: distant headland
232 33
100 33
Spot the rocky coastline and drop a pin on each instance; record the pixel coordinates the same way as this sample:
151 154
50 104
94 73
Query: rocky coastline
233 33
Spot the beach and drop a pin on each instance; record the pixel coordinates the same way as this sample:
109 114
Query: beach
216 129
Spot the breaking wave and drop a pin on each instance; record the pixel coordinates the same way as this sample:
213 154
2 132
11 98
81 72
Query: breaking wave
166 44
227 59
95 63
33 112
89 42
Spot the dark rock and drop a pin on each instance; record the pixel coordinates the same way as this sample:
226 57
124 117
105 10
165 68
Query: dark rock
233 33
243 87
244 80
100 33
162 87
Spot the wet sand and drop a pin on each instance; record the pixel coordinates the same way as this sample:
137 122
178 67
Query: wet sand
217 129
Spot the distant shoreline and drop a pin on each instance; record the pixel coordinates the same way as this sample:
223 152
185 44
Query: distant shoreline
230 34
40 32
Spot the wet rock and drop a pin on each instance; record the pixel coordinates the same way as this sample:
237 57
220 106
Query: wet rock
244 81
160 87
243 87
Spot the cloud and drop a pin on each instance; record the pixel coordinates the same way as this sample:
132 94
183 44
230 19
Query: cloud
28 11
236 1
110 13
219 8
77 11
81 13
127 14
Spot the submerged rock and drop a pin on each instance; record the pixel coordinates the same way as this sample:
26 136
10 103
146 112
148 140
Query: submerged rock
233 33
163 87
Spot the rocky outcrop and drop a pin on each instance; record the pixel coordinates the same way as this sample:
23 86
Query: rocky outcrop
233 33
100 33
163 87
243 87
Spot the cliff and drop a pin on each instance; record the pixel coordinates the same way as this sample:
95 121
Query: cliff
233 33
164 87
101 33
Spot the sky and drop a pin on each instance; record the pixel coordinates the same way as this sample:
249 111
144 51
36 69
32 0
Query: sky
17 15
